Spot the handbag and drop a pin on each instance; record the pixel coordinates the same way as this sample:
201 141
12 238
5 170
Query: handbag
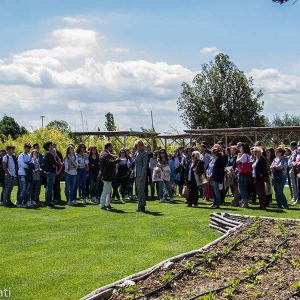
245 168
185 192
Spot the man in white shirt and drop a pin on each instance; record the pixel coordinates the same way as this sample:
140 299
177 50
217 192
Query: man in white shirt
9 163
24 161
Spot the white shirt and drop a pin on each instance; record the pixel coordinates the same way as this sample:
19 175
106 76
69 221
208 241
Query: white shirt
23 159
10 165
82 161
68 165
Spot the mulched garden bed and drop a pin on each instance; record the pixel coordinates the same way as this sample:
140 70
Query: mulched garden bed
260 260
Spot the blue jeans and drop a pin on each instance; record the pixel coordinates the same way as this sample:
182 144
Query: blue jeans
70 186
49 187
279 194
24 190
168 186
217 193
81 177
243 181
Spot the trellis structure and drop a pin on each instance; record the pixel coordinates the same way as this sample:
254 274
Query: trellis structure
271 135
120 136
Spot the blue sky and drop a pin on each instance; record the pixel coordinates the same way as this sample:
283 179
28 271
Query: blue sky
261 37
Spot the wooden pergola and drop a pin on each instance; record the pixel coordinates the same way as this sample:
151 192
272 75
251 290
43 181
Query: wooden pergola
120 136
274 135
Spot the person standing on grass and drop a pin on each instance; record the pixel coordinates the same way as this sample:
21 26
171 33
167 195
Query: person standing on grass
49 167
82 162
244 166
260 175
36 178
56 185
108 173
2 174
10 167
163 163
140 170
217 177
25 177
94 167
194 169
38 183
70 176
279 176
293 172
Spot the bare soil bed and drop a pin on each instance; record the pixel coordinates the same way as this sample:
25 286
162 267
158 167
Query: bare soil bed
260 260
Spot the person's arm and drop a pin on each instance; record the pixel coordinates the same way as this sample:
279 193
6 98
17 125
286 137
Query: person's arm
4 165
239 158
21 162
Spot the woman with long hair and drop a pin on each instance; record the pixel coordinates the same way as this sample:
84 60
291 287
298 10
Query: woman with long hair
244 166
94 168
70 176
82 162
123 173
163 163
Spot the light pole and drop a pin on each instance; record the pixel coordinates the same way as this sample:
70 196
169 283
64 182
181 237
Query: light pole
42 117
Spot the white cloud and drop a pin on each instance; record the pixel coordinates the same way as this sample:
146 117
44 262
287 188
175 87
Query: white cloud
75 21
210 50
120 50
60 80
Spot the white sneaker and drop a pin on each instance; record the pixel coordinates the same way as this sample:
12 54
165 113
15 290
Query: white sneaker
171 200
20 206
163 200
74 202
84 201
69 203
29 204
33 203
122 201
180 196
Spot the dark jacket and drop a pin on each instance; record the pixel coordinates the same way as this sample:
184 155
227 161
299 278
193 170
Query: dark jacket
49 163
199 165
108 166
261 169
219 170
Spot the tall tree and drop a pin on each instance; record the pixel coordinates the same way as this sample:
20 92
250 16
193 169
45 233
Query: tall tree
9 126
110 122
285 120
60 125
220 96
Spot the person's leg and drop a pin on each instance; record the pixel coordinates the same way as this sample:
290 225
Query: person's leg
106 189
217 193
277 194
109 190
56 189
8 187
282 195
22 184
73 184
160 190
261 192
243 181
68 188
168 186
140 185
49 188
293 179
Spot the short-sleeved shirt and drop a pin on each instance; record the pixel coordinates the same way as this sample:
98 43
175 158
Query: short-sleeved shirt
10 164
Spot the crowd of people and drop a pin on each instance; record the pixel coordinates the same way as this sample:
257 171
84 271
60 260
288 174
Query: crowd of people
144 173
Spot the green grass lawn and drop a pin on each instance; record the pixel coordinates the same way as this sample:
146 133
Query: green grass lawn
67 253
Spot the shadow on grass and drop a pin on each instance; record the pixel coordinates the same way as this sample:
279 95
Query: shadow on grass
154 213
119 211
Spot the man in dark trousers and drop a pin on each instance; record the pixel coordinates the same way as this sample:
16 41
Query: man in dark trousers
108 172
140 170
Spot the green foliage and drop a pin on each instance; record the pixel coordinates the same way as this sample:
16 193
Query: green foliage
127 289
60 125
210 296
110 124
167 277
189 266
221 96
296 285
9 127
40 136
